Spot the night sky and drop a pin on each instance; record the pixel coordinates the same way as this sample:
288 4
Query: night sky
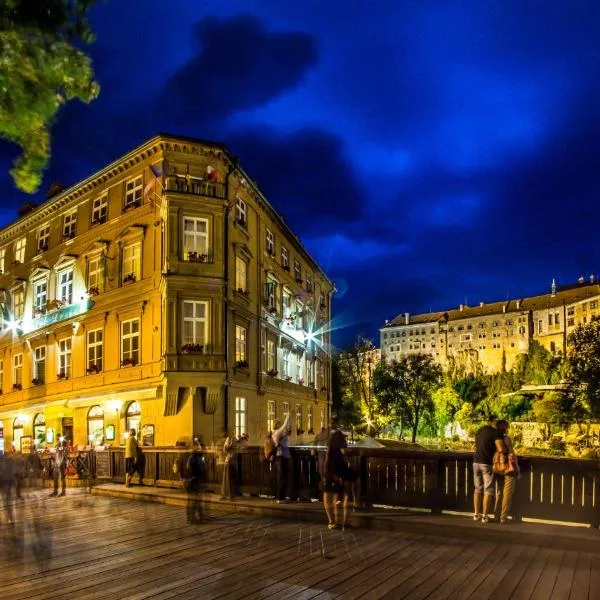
427 153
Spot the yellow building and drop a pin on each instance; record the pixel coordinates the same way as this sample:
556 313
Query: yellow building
491 336
163 293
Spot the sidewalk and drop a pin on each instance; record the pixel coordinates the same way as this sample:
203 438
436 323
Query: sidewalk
583 539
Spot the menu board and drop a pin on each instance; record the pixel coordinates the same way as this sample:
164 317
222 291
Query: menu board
147 435
26 442
102 465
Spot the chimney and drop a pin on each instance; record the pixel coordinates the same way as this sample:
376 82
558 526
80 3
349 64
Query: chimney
518 304
481 305
460 307
406 318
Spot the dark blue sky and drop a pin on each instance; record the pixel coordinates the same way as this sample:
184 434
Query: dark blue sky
425 152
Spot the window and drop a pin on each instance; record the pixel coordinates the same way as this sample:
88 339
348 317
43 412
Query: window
285 410
270 243
96 275
64 358
70 225
550 319
571 310
40 294
286 363
285 258
299 369
540 326
133 192
1 376
131 262
2 259
309 420
99 210
593 304
39 365
17 433
240 416
20 250
270 415
309 285
271 356
240 343
43 236
241 212
271 295
65 286
39 430
195 322
297 271
241 274
94 351
298 418
133 416
557 318
322 417
130 342
522 330
18 302
17 371
95 421
570 322
584 306
299 315
195 239
286 299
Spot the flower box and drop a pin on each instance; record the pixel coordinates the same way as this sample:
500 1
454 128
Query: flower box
272 373
273 310
99 221
36 381
241 364
300 381
243 292
93 369
299 280
93 291
311 432
187 348
61 375
286 268
132 205
15 263
56 304
129 278
17 386
299 431
38 312
242 222
42 249
68 236
288 377
128 362
323 389
197 257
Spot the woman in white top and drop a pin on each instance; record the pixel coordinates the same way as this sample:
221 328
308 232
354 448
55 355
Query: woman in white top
507 483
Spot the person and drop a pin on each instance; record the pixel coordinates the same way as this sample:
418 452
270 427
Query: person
507 482
488 440
59 467
282 458
337 480
131 455
227 484
193 476
7 482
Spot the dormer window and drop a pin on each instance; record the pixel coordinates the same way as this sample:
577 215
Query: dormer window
43 238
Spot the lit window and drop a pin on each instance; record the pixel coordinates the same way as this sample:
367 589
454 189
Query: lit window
241 334
2 259
43 237
298 417
297 271
94 351
133 417
270 415
132 264
271 294
240 212
130 342
309 285
240 416
39 365
286 298
322 417
271 356
96 275
20 250
65 286
17 434
99 210
195 239
299 369
241 274
40 294
570 322
64 358
285 410
195 320
70 225
286 363
18 301
309 420
1 375
285 258
133 192
270 243
39 430
594 304
95 422
18 370
299 315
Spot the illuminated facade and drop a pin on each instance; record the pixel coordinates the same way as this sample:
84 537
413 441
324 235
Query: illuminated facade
162 293
491 336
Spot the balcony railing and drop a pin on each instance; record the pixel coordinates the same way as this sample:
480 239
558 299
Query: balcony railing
195 186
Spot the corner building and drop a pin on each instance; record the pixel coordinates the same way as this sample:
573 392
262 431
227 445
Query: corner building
162 293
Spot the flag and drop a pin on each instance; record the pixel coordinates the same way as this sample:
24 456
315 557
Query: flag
157 172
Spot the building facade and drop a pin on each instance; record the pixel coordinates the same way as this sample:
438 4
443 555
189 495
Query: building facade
490 337
162 293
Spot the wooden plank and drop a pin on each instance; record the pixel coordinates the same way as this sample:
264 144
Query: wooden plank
532 576
581 581
564 578
546 582
512 578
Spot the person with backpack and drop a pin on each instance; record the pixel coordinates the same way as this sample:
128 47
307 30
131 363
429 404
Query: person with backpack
281 452
194 471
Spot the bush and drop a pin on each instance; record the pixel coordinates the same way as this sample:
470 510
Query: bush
557 445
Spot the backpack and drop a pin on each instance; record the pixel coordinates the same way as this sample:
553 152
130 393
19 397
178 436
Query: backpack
270 448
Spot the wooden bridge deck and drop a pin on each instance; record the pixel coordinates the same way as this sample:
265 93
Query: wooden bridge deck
83 546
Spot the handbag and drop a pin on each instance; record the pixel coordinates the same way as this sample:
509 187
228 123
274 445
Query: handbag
502 465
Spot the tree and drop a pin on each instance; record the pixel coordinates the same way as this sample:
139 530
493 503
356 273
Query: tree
345 404
405 388
40 70
583 379
537 366
447 403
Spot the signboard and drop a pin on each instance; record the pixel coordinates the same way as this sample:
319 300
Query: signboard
102 464
61 314
26 443
147 435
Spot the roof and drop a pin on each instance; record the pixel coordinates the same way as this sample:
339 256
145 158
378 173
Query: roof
568 294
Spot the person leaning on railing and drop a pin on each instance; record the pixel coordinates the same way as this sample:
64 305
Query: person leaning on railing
506 476
488 441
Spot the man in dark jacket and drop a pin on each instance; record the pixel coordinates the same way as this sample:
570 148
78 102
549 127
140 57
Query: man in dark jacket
488 440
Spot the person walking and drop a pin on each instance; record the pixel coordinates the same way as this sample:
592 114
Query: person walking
131 456
488 440
282 458
227 484
7 482
59 467
193 476
507 482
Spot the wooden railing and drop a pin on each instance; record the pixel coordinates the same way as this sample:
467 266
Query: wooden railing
549 488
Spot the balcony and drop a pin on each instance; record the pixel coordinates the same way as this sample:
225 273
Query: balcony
60 314
274 384
195 186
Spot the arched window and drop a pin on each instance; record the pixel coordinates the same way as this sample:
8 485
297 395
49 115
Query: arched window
39 430
133 417
17 433
95 421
